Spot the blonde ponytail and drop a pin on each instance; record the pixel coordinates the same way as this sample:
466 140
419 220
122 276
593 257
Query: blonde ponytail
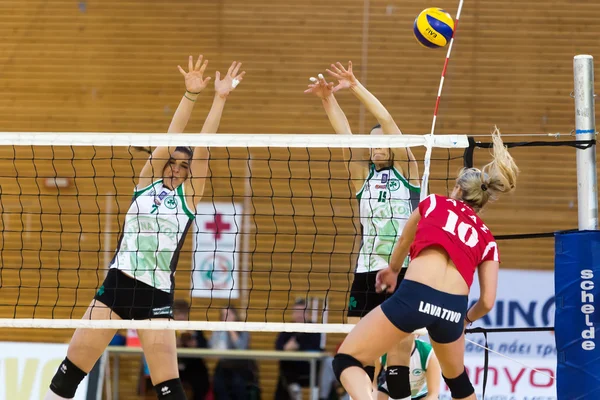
499 176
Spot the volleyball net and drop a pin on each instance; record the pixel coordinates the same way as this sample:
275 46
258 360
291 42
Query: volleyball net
278 221
278 226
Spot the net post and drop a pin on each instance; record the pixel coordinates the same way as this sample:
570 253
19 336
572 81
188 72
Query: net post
585 129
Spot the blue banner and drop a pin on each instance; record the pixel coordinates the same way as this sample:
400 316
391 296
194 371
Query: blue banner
577 288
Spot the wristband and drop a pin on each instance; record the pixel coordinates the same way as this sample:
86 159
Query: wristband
467 317
192 100
187 91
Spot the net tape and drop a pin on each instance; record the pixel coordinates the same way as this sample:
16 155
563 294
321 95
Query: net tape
230 140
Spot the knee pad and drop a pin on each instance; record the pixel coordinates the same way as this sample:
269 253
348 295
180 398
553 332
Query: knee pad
460 387
397 378
170 390
342 361
370 370
67 379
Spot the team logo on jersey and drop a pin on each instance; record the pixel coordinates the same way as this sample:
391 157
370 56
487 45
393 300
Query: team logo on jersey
393 185
170 202
352 304
417 372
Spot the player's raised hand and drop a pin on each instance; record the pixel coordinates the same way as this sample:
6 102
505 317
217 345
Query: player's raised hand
194 78
230 81
320 87
345 77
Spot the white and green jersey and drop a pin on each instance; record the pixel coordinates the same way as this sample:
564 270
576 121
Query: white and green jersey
153 234
385 200
419 361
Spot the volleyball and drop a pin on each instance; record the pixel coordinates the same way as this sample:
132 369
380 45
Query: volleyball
433 27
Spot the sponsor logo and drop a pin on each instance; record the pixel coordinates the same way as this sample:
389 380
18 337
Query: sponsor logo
516 312
440 312
587 309
162 311
158 199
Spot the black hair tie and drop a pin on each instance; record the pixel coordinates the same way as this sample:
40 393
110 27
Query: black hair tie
483 187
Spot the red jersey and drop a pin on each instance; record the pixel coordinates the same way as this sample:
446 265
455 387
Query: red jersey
457 228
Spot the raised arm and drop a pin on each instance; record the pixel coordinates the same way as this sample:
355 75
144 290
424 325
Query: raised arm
324 90
194 84
347 80
199 166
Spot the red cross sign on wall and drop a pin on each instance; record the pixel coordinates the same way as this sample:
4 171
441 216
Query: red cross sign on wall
218 226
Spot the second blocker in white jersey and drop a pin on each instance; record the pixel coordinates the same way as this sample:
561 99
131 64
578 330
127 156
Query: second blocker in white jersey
419 363
385 200
153 234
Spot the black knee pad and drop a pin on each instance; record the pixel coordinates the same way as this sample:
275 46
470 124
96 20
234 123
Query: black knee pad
370 370
460 387
398 381
342 361
170 390
67 379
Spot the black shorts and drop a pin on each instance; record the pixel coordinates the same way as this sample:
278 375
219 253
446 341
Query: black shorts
363 297
132 299
414 306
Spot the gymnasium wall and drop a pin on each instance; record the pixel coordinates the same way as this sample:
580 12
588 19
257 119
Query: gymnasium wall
110 66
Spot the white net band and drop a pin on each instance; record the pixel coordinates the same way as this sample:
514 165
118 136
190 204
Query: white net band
229 140
181 325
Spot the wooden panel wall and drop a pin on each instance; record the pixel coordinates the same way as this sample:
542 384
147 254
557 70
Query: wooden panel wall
110 66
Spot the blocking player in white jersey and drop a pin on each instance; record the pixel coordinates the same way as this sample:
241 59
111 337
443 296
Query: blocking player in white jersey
140 282
387 189
425 374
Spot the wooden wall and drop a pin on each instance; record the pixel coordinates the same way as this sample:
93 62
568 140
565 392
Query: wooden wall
110 66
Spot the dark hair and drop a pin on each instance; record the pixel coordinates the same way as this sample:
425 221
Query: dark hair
375 127
186 150
300 301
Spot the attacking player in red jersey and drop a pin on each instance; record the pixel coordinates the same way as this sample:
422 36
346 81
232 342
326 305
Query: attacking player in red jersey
447 242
